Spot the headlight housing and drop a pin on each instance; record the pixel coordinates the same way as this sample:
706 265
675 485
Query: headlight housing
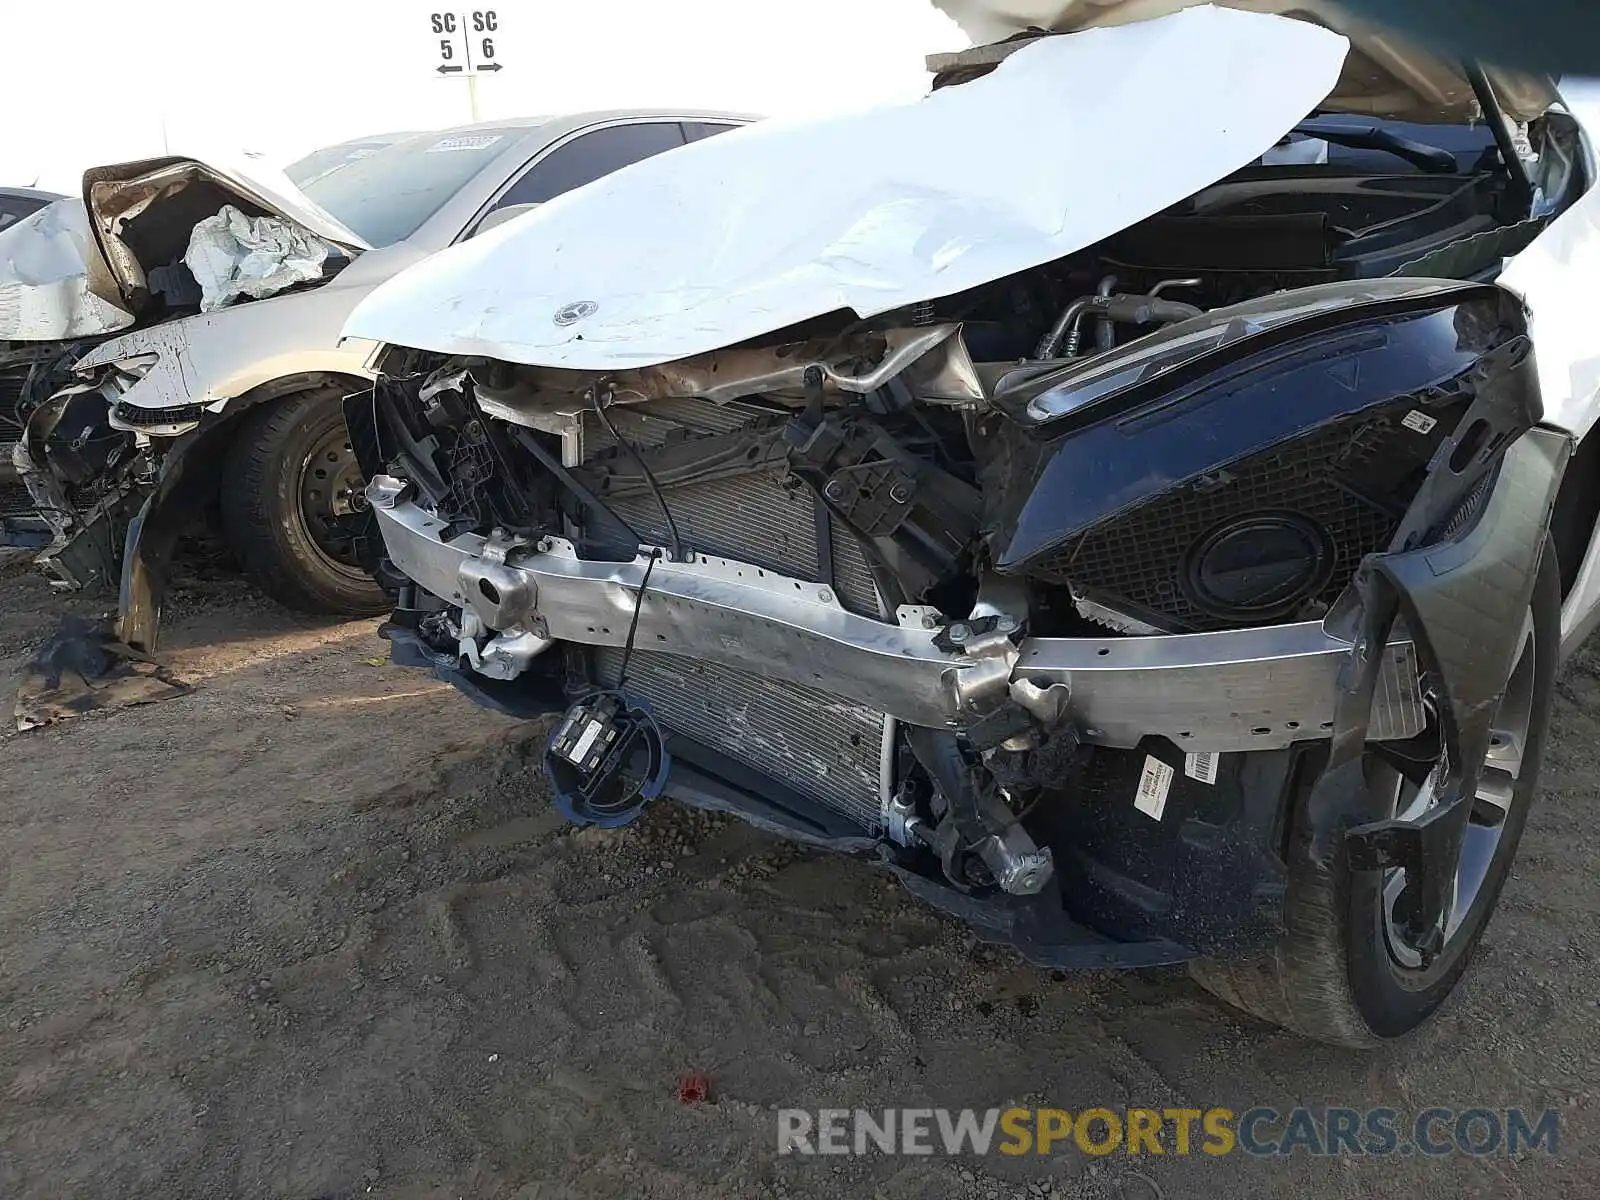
1093 379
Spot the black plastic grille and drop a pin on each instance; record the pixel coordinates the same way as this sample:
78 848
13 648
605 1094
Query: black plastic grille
1352 480
177 414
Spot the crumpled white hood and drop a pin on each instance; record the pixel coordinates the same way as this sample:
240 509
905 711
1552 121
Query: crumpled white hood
1070 140
57 281
117 194
1387 75
54 284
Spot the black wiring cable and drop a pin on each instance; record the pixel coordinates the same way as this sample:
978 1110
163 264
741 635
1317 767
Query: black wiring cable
633 625
585 497
649 476
377 425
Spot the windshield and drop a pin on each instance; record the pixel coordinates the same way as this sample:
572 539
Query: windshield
386 191
330 158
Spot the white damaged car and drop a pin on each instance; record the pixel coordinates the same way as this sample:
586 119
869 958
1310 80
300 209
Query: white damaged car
170 342
1139 494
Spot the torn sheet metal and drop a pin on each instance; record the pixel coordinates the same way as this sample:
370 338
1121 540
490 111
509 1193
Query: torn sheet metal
232 255
54 285
126 194
1067 142
80 668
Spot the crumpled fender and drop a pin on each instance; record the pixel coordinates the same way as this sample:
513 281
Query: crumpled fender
147 549
212 361
54 282
188 472
1462 594
116 195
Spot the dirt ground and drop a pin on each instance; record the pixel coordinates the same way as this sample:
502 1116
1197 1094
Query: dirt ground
313 931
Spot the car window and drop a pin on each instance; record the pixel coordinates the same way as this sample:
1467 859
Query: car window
14 208
387 194
696 130
589 157
331 158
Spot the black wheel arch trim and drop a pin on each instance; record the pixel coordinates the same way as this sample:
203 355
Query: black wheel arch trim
152 534
1462 599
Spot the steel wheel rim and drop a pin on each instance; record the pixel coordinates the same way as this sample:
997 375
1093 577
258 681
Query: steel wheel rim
1486 825
330 491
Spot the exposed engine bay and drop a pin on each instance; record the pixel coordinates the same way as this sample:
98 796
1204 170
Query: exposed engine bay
905 581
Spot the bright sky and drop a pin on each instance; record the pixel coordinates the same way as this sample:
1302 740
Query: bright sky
89 82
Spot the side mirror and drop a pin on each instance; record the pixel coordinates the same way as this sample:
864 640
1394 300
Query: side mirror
501 215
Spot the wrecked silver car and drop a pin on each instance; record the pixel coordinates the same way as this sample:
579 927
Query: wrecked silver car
176 349
1149 534
15 504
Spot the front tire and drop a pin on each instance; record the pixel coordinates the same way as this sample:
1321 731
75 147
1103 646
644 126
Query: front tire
290 491
1339 974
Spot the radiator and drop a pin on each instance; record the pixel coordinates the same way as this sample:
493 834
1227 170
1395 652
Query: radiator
14 498
816 744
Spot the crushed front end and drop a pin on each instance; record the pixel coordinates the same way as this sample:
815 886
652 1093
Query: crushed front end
127 325
29 374
85 477
1055 642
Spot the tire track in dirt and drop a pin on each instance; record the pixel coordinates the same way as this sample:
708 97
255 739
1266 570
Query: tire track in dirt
352 951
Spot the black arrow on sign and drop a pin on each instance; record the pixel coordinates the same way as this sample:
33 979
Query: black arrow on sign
444 70
490 67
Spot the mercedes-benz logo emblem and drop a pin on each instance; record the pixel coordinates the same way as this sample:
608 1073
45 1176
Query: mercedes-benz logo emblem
571 314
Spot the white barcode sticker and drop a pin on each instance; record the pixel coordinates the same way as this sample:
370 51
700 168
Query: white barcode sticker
1419 421
587 740
1201 766
463 141
1154 783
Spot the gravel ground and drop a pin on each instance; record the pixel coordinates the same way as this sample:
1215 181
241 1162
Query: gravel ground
313 931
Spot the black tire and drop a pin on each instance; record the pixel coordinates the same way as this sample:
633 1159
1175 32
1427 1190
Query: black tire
1332 976
264 512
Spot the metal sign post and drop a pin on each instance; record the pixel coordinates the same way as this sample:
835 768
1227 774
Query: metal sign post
465 47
